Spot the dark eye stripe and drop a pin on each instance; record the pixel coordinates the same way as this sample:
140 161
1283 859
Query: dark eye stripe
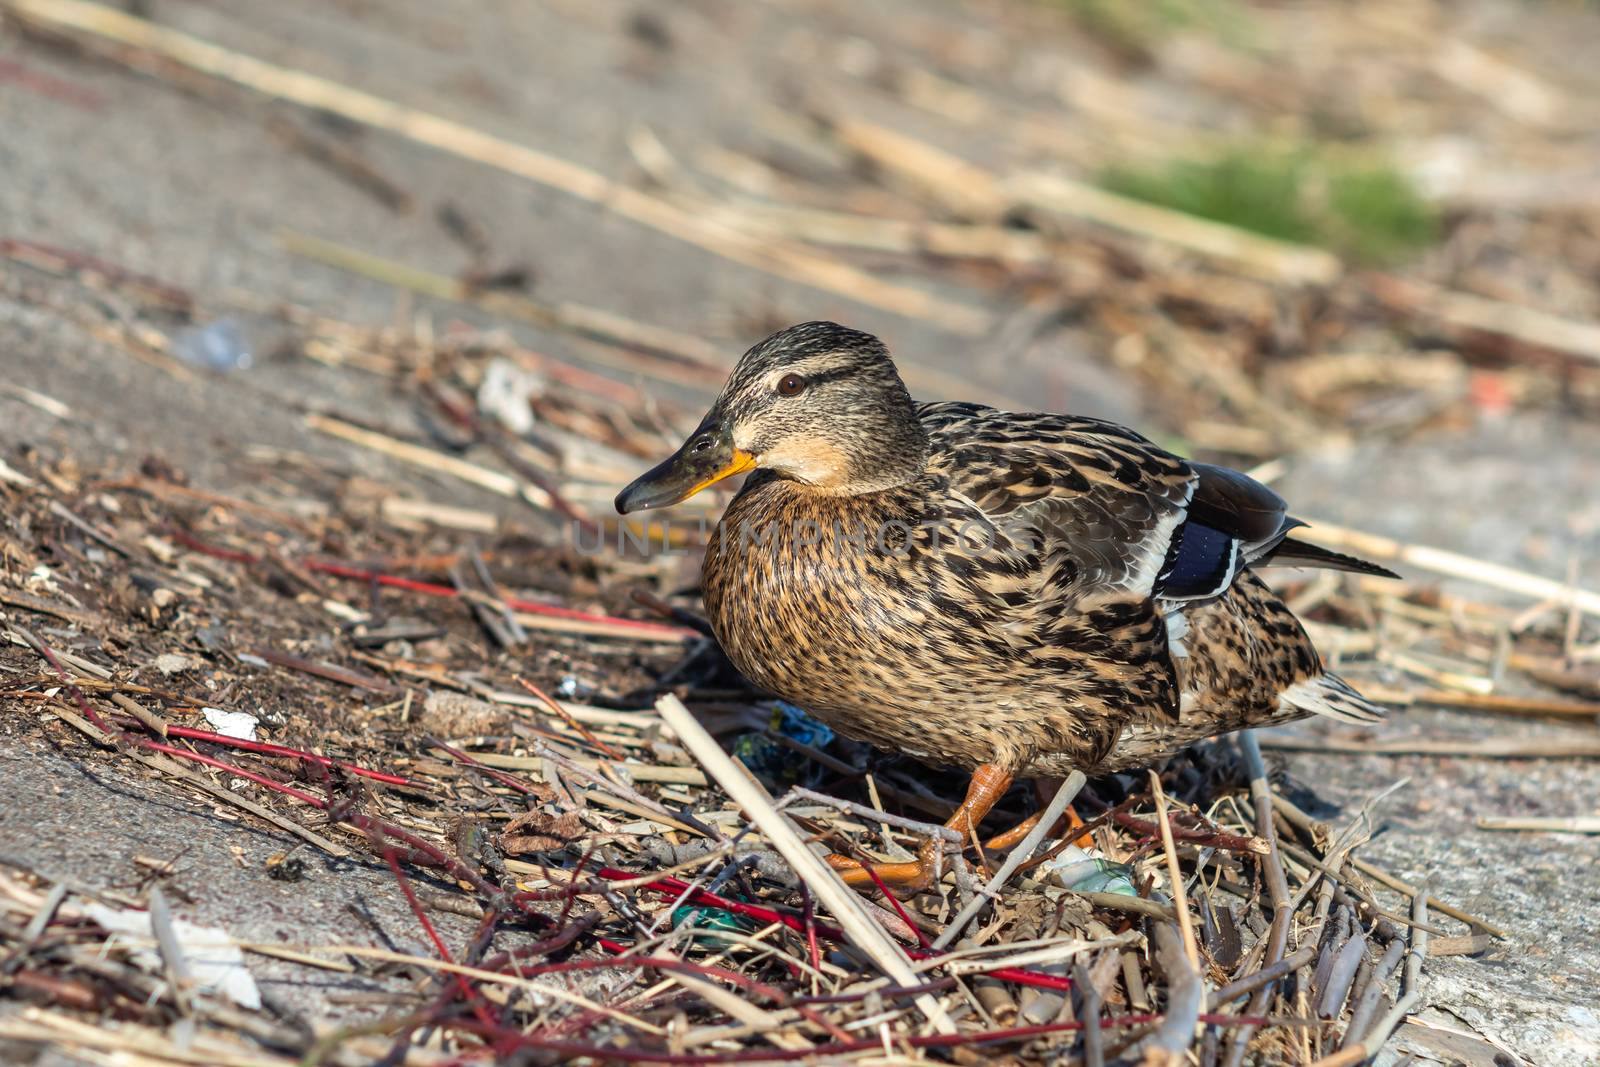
828 375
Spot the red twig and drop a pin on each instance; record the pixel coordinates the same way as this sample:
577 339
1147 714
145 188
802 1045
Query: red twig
66 680
531 607
504 779
266 748
232 768
345 570
1209 838
508 961
677 886
877 880
155 746
809 917
566 716
194 544
772 993
423 851
468 994
496 438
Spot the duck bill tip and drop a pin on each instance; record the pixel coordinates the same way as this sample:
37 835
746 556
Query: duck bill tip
681 477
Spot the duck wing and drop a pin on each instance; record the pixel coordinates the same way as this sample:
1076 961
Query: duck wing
1079 517
1115 511
1106 539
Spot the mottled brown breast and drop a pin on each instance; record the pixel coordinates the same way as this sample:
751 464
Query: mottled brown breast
859 610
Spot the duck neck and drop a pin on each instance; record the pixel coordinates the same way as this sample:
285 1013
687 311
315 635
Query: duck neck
896 456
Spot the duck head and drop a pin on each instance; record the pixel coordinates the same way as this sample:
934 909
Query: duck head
817 403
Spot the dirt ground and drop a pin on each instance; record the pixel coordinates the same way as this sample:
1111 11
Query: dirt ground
193 187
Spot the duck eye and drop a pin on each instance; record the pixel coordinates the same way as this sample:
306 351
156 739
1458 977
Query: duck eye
791 385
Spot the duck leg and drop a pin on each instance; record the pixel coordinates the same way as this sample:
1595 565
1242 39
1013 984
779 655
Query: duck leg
989 783
1047 789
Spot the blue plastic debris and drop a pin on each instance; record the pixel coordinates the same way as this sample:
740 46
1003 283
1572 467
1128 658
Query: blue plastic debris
779 765
794 723
218 345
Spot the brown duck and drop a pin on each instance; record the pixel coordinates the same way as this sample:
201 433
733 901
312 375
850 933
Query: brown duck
1021 594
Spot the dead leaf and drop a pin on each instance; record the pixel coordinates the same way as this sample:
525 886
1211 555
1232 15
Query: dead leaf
536 831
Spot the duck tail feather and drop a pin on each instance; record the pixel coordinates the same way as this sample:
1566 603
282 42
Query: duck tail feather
1330 695
1292 553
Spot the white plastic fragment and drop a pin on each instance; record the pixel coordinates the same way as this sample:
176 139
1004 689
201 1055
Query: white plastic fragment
174 662
504 394
238 724
41 580
211 958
